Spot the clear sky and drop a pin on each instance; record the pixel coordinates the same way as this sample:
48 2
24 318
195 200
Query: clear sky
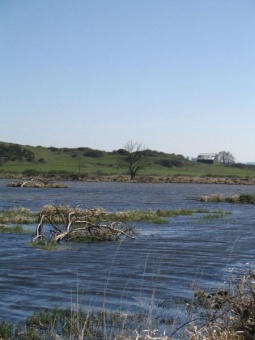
175 75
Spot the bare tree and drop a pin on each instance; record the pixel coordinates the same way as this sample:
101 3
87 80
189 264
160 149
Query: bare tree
74 223
226 158
133 159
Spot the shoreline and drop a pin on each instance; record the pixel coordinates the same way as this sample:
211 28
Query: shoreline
139 179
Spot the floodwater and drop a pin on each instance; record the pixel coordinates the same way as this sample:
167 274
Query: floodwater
158 268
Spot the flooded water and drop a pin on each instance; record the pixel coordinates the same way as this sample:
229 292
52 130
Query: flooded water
158 267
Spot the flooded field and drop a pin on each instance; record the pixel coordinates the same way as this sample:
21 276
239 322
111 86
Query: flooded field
156 270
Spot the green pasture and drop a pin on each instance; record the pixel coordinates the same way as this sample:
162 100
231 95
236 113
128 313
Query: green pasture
73 161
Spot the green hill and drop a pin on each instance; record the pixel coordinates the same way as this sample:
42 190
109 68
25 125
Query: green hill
26 159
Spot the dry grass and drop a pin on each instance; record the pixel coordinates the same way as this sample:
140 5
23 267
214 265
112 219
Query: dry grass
229 315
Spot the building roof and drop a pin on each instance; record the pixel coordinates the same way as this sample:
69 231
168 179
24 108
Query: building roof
208 156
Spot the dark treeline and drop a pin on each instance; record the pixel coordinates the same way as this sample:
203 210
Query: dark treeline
14 152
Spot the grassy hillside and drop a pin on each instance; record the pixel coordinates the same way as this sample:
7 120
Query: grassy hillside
86 161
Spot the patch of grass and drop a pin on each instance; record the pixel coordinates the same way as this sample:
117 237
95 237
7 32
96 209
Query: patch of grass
157 217
216 214
6 330
68 324
45 245
236 199
136 216
25 216
180 212
18 216
17 229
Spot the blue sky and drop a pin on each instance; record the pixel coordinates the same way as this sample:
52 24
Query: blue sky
175 75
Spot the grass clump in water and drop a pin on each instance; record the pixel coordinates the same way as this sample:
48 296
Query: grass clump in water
45 244
235 199
17 229
216 214
159 216
136 216
18 216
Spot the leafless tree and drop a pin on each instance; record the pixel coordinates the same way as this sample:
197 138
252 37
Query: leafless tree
133 161
226 158
69 223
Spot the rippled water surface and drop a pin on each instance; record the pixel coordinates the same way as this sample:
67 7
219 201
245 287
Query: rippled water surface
161 264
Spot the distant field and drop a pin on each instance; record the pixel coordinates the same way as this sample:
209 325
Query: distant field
86 161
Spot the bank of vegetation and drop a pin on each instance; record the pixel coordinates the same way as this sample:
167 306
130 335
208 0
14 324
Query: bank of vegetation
86 164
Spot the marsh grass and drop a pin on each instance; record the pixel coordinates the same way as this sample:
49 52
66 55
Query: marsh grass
136 216
47 245
157 217
26 216
17 229
216 215
235 199
18 216
6 330
68 324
